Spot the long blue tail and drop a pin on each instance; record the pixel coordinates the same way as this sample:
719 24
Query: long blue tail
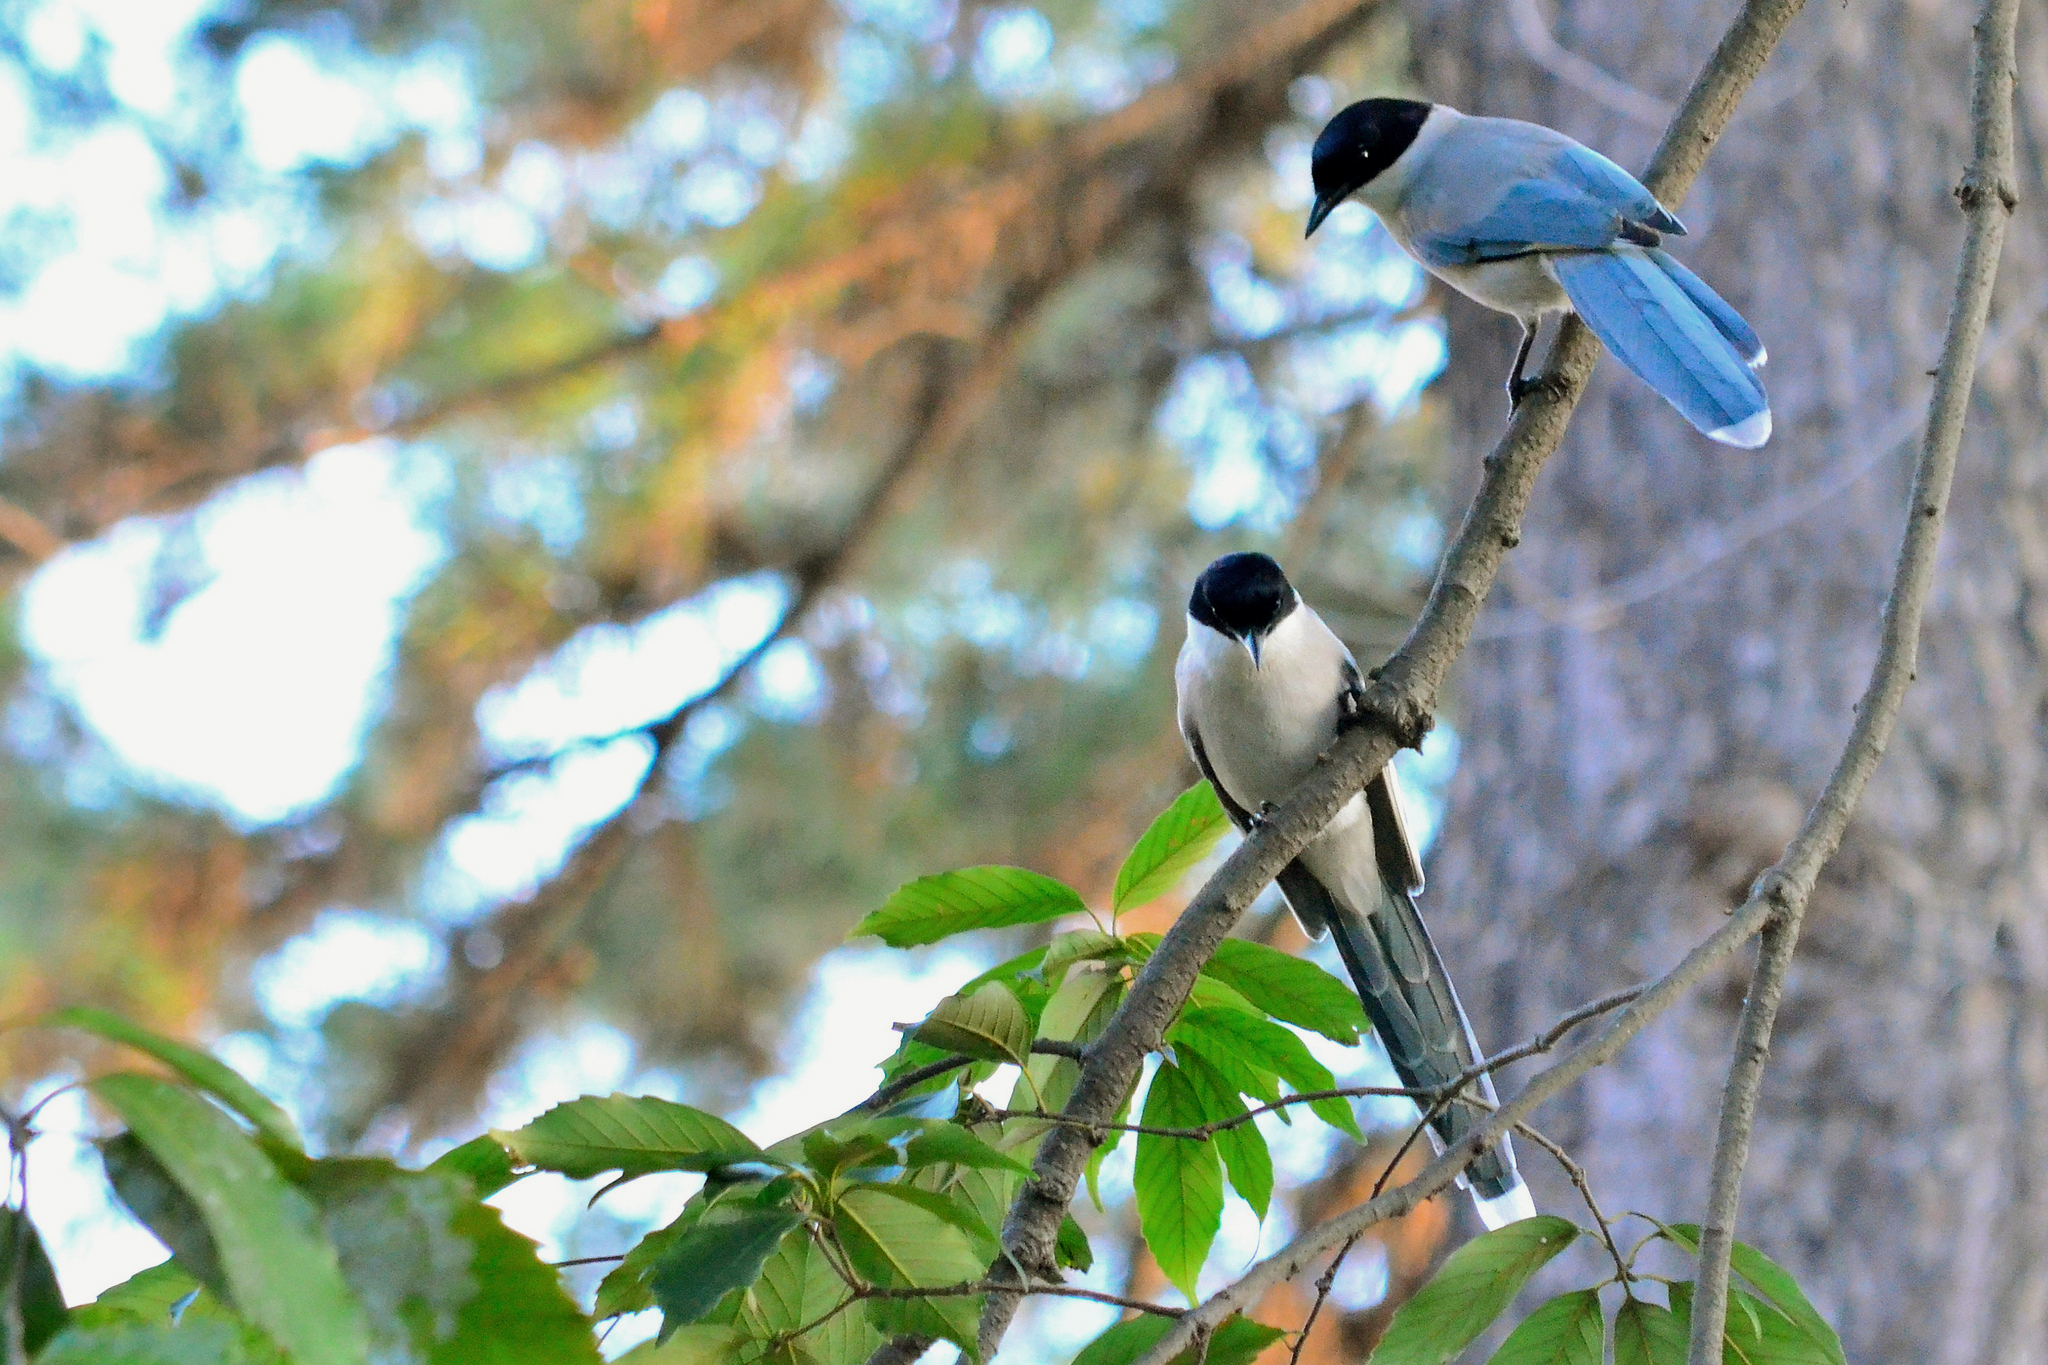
1675 334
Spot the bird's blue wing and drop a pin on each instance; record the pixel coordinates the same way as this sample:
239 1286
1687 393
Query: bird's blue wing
1547 193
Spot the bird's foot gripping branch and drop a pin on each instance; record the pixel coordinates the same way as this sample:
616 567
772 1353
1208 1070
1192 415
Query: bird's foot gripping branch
879 1225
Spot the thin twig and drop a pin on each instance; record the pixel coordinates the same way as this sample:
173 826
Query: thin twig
1325 1282
1585 1187
1988 198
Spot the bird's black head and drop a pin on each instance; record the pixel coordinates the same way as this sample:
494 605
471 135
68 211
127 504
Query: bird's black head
1243 596
1361 141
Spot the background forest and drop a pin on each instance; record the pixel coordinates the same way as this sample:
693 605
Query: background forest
524 522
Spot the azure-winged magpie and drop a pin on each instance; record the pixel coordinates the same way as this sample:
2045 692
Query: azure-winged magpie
1264 689
1529 222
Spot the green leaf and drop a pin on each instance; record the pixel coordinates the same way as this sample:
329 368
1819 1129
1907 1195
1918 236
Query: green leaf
1289 988
797 1287
719 1345
1472 1288
1565 1331
439 1276
24 1264
1243 1148
716 1256
625 1289
1237 1342
633 1135
1777 1287
1072 1250
282 1273
932 908
894 1243
1079 945
959 1213
828 1151
483 1160
1262 1046
205 1341
1645 1334
1179 1182
989 1024
154 1196
203 1069
1181 837
950 1144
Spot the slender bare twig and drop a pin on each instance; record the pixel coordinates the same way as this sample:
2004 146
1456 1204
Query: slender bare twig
1988 196
1578 1176
1325 1282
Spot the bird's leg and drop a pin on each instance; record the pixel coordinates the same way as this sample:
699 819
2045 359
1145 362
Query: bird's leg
1518 387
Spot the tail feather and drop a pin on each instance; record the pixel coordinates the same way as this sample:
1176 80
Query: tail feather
1649 316
1408 997
1726 320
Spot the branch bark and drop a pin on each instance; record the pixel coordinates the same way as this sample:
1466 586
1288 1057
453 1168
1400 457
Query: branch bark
1988 196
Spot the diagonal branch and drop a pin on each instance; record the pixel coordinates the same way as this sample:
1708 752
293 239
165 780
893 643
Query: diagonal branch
1988 197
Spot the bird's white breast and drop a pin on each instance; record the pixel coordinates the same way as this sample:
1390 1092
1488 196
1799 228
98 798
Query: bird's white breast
1263 729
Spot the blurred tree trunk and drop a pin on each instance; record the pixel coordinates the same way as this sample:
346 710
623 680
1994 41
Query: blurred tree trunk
1624 778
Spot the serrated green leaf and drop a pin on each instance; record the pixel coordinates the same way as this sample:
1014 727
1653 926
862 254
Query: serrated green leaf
989 1024
797 1287
1646 1334
1470 1290
1264 1046
630 1134
281 1272
950 1144
482 1160
896 1244
1289 988
1181 837
1072 1250
933 908
1777 1287
1564 1331
1237 1342
1243 1148
1179 1182
717 1255
25 1265
202 1069
957 1212
893 1242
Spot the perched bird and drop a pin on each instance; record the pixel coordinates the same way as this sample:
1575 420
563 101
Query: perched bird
1529 222
1264 689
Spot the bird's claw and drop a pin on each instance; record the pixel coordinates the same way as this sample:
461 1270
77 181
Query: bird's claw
1350 705
1266 811
1519 390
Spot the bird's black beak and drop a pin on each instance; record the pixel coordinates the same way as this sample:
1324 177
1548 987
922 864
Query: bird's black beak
1324 203
1251 647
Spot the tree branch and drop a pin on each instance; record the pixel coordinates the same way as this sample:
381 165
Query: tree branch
1988 196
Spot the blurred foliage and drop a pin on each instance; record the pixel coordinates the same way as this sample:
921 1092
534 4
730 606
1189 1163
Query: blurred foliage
966 333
